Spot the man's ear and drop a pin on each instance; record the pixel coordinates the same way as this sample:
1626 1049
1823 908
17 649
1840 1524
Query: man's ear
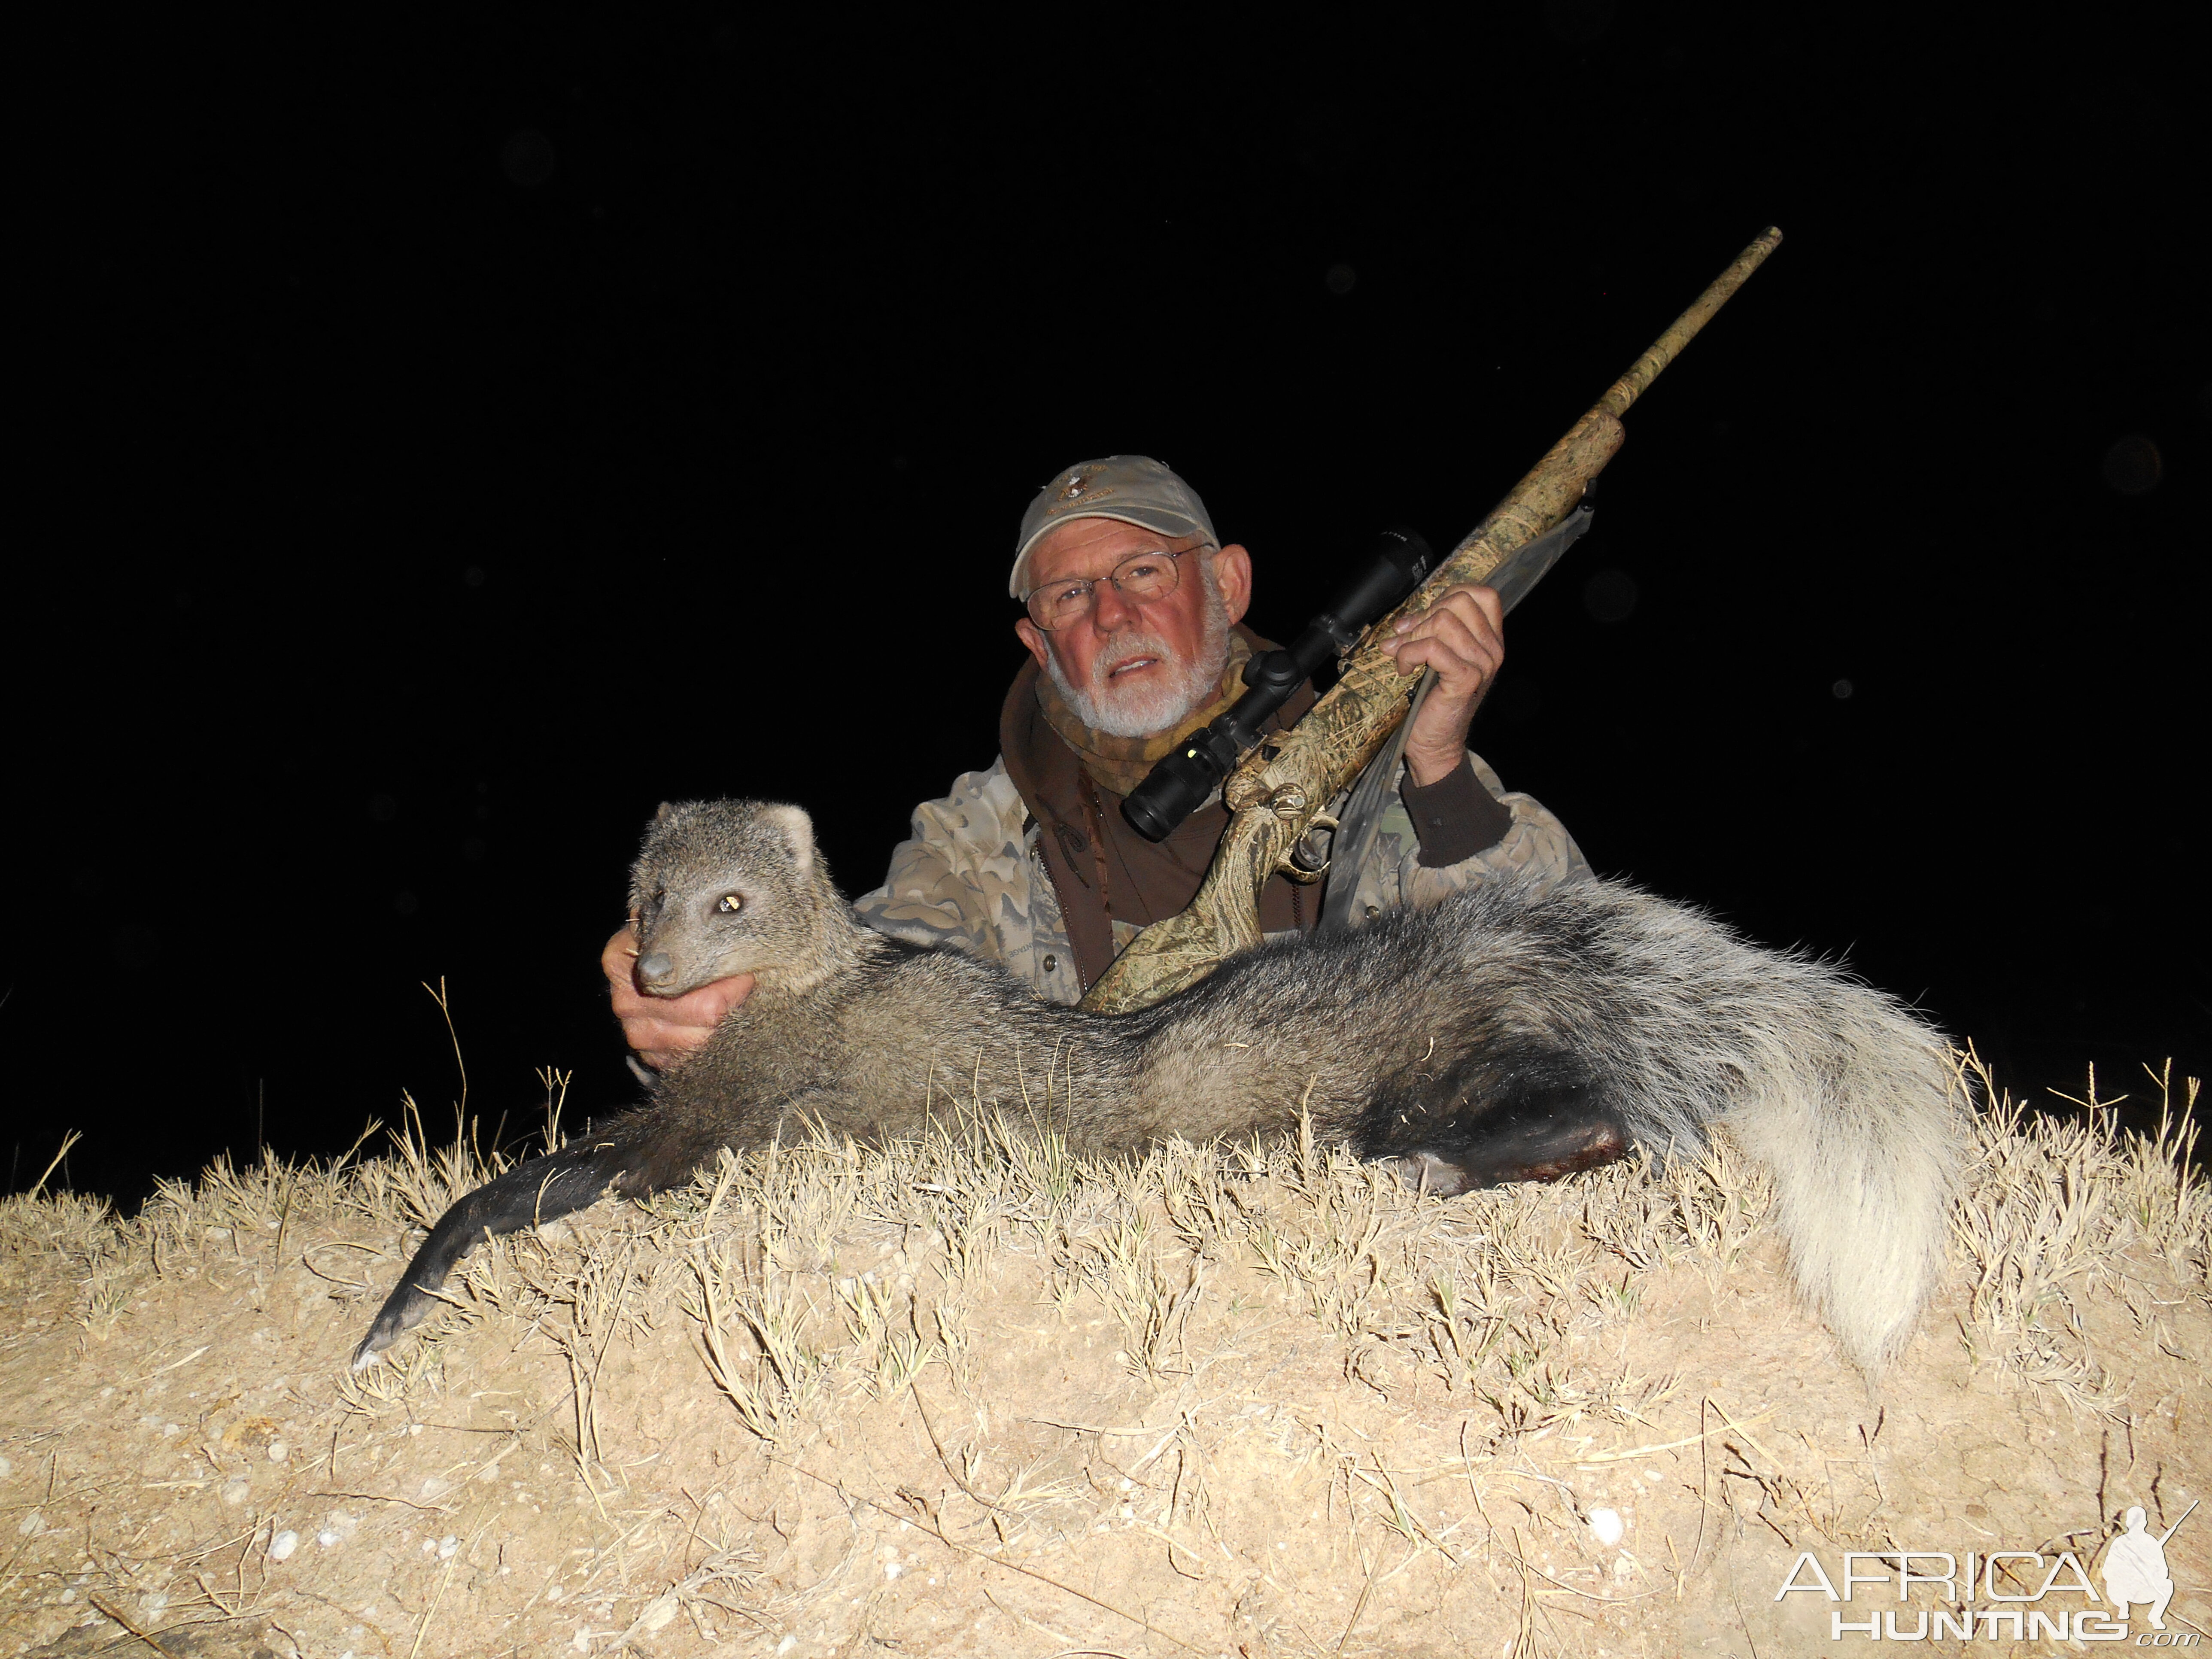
1232 571
1034 637
797 830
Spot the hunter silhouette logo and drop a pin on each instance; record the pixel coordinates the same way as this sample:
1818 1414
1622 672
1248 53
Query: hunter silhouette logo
2134 1568
2013 1583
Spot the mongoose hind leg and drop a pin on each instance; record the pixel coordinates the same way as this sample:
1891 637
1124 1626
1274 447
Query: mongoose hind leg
1541 1137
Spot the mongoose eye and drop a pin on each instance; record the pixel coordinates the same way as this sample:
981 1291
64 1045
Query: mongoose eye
729 904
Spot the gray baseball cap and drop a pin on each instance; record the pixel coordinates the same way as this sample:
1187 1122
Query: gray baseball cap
1135 489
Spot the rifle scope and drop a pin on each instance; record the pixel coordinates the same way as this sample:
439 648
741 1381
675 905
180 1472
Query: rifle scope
1393 565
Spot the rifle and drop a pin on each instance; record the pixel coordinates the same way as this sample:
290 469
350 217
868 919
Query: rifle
1281 790
2164 1537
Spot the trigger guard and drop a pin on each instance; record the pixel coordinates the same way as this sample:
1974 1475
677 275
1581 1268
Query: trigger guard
1308 874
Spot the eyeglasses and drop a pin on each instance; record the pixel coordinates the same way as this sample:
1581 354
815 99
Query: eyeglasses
1139 578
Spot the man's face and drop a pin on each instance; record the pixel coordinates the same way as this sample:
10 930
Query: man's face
1135 669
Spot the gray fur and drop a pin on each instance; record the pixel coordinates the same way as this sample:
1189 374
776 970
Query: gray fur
1407 1040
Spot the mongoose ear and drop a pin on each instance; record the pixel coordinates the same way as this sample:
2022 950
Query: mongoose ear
660 813
798 832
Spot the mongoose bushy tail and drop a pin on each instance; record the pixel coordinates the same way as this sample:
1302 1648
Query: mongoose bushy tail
1506 1032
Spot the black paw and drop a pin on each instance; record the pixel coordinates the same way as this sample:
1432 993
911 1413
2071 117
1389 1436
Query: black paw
1540 1139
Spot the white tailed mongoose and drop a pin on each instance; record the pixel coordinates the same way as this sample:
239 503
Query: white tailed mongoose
1445 1041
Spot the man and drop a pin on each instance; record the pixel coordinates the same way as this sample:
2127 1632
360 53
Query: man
1132 608
2135 1570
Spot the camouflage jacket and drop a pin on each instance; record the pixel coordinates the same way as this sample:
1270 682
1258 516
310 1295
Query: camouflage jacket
972 875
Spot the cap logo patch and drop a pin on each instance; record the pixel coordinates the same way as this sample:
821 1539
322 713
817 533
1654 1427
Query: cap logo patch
1075 482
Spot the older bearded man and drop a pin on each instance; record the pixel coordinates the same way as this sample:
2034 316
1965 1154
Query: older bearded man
1132 612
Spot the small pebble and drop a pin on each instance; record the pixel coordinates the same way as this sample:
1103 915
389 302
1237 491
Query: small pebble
6 1468
68 1596
447 1545
279 1451
281 1546
327 1536
554 1593
1607 1525
154 1603
28 1527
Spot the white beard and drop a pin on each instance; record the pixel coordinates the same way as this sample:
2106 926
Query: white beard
1141 710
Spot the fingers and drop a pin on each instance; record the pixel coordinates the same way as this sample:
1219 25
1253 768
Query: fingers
664 1029
1461 636
1486 602
1455 651
619 960
711 1001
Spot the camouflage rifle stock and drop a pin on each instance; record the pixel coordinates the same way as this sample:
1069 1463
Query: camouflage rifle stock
1275 795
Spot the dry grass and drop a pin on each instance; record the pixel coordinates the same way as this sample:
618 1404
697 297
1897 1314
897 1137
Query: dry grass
1261 1395
2054 1212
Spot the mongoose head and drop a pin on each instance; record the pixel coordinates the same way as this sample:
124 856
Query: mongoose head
729 887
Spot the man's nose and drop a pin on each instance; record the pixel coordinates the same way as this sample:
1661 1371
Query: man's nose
1110 608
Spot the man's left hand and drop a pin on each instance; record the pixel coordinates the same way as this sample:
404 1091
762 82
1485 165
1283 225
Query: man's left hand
1463 637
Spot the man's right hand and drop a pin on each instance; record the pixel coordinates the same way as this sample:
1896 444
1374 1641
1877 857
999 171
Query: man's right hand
664 1029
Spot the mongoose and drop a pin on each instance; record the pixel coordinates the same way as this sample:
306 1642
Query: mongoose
1445 1041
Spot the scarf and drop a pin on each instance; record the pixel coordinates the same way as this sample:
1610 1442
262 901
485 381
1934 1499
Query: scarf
1118 765
1102 871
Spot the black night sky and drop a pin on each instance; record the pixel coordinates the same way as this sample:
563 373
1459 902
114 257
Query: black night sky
447 434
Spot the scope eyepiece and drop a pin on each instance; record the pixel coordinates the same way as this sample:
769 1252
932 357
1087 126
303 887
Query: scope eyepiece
1177 787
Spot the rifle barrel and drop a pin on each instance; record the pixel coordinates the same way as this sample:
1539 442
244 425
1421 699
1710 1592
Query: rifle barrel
2176 1527
1645 369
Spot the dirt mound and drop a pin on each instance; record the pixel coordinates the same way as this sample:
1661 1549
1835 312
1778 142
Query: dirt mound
976 1396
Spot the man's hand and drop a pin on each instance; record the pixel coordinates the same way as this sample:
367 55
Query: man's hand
664 1029
1463 637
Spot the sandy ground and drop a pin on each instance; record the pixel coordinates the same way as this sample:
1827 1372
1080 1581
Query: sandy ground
967 1401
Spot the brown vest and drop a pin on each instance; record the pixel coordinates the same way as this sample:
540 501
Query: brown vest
1103 870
